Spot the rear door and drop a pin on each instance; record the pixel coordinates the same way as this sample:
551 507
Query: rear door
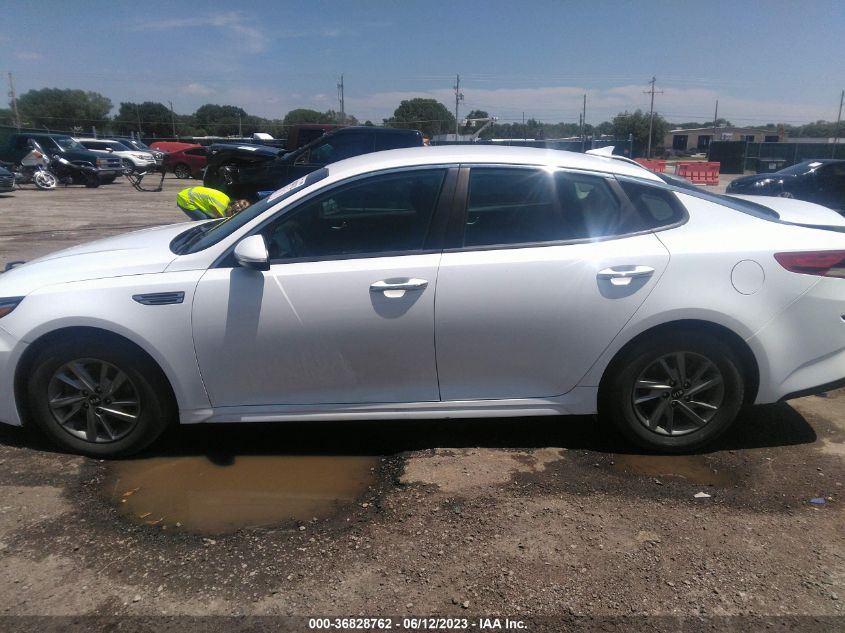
546 270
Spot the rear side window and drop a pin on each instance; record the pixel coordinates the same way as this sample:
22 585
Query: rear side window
519 206
654 207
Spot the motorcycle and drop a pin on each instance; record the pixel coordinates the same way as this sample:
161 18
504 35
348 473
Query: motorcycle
77 172
34 168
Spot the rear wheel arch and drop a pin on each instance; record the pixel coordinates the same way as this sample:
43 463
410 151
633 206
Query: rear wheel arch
749 369
81 333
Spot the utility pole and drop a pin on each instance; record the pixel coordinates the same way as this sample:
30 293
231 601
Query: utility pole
584 125
172 119
14 99
138 116
340 98
240 126
715 119
838 119
459 96
651 113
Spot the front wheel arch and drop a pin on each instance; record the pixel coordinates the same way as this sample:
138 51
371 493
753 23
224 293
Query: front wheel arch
24 367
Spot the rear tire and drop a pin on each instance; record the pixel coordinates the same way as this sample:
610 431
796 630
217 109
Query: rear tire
86 409
673 393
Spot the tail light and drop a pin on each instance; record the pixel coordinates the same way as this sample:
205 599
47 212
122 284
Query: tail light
822 263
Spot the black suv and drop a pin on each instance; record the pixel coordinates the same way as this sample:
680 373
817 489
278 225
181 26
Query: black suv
241 171
108 167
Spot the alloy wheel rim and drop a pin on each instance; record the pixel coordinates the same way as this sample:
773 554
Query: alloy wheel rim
678 394
94 400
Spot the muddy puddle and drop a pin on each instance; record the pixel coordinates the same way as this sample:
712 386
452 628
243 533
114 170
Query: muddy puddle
195 494
693 468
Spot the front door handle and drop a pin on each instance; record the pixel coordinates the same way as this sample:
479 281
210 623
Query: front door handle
622 275
404 284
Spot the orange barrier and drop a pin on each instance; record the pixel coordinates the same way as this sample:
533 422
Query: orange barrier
654 165
700 173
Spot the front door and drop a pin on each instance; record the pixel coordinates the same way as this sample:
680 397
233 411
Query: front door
345 315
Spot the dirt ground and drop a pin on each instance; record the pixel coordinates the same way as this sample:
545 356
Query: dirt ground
550 522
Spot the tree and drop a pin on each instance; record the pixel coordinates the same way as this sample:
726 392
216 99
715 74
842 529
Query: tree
63 109
224 120
153 118
429 116
636 123
304 115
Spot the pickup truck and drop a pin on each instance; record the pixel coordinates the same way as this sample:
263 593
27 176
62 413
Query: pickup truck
241 171
108 167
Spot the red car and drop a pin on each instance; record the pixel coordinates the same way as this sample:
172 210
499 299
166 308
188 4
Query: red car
188 162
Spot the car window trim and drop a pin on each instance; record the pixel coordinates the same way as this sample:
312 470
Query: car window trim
434 237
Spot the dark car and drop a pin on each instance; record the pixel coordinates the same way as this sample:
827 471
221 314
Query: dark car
107 167
187 162
7 181
242 171
821 181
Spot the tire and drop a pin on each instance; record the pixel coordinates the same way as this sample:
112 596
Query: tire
664 420
125 420
44 180
128 165
182 171
92 182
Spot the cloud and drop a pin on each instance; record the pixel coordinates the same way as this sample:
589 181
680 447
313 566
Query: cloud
27 55
196 89
232 23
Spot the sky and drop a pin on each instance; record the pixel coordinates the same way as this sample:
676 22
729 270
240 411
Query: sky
765 62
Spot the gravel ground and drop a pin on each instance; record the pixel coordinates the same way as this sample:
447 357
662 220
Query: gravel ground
551 521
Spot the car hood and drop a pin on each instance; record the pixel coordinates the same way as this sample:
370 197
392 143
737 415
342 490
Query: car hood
797 211
747 181
137 253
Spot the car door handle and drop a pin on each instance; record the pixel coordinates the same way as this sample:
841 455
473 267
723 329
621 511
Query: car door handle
622 275
407 284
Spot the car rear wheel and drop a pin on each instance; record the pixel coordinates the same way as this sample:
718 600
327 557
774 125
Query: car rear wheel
675 393
182 171
98 399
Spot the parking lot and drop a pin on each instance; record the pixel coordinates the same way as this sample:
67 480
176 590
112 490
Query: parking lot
529 518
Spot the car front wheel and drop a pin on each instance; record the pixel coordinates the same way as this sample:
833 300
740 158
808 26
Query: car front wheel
98 399
675 393
182 171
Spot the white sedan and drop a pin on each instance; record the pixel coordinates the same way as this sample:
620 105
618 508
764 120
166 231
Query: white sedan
443 282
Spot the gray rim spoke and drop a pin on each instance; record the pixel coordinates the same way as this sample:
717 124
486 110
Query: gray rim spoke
116 413
652 384
68 380
670 420
82 374
692 415
115 384
73 411
106 427
704 385
66 401
703 405
680 360
91 425
654 420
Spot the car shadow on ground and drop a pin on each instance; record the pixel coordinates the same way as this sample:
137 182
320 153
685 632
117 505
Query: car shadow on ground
757 427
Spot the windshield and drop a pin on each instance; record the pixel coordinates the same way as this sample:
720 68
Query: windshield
207 234
800 169
67 143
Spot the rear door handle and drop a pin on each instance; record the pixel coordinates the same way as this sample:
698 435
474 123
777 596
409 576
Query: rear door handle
622 275
406 284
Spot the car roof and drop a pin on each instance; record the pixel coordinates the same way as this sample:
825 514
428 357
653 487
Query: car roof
484 154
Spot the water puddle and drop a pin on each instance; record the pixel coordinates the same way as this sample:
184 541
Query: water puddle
198 495
693 468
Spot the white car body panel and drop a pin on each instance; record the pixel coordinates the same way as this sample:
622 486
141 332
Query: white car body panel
308 340
318 333
482 296
797 211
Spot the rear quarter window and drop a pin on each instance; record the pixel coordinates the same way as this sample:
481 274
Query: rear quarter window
656 208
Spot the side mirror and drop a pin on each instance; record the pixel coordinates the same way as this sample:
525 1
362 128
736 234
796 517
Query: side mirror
251 252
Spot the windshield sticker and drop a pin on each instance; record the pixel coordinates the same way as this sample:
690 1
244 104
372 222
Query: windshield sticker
296 184
815 164
251 148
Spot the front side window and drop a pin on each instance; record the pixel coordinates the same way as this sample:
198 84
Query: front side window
519 206
388 213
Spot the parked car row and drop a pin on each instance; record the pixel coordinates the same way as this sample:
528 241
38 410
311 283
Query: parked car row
821 181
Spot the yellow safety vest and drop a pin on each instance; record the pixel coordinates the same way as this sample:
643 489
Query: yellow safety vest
210 201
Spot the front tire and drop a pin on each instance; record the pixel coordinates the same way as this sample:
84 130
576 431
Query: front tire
673 393
98 399
44 180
